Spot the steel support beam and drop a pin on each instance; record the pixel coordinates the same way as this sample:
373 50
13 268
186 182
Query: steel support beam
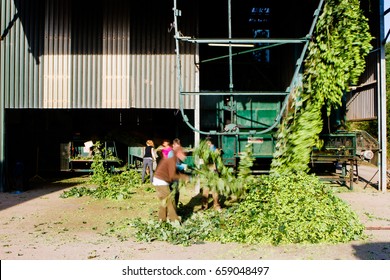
382 119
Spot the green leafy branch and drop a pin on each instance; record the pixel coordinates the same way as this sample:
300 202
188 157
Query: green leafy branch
335 60
218 177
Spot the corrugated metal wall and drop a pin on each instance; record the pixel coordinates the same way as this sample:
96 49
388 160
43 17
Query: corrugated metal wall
91 54
362 101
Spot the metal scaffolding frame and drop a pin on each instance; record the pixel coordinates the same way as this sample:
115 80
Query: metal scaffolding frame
231 43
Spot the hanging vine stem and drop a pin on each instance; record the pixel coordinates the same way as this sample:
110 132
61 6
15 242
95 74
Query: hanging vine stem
336 59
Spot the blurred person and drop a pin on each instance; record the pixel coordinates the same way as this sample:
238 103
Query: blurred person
181 167
148 159
206 190
166 173
166 148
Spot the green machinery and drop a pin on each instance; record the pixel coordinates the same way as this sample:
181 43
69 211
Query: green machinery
135 155
237 117
343 149
250 116
78 155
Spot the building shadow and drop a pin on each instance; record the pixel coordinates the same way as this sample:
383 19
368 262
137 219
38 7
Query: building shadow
373 251
36 188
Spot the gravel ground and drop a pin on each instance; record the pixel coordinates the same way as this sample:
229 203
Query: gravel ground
39 225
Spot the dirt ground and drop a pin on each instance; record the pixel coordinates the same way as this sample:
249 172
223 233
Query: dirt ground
39 225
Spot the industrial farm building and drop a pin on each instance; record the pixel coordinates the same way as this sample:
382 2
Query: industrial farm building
112 70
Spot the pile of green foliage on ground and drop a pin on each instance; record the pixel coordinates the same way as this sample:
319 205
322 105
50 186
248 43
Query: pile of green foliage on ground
297 208
292 208
106 185
112 186
277 210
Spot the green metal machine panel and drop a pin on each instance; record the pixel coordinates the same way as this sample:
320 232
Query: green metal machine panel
262 146
229 150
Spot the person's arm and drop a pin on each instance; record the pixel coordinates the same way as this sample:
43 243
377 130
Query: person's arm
154 154
173 175
180 166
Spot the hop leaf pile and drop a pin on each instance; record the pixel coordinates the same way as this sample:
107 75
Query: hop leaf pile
297 208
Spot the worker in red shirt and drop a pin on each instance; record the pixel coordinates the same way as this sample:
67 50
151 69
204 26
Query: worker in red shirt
165 174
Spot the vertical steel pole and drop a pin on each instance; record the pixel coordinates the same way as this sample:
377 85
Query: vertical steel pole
197 101
176 13
2 112
230 46
231 86
382 163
